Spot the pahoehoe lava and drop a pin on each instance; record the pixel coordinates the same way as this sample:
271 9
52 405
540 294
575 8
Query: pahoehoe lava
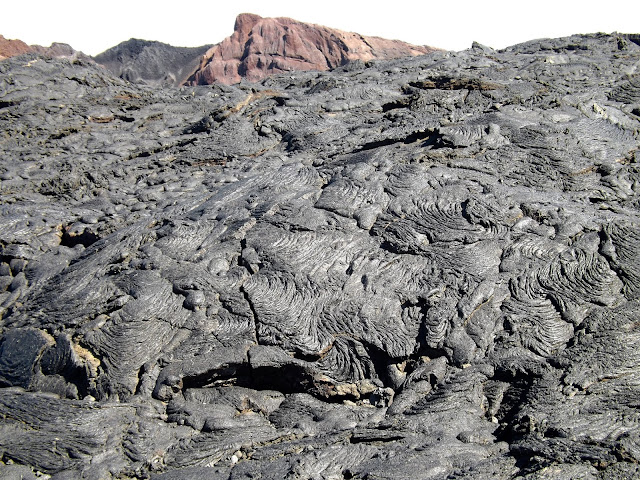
418 268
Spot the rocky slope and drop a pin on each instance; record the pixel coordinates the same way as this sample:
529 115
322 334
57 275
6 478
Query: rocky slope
263 46
11 48
422 268
155 63
258 47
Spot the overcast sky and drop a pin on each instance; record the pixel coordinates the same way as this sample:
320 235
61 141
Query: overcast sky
94 26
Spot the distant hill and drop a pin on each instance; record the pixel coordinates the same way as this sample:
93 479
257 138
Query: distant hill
143 61
257 48
10 48
260 47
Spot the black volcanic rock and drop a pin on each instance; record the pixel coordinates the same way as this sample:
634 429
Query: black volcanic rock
155 63
422 268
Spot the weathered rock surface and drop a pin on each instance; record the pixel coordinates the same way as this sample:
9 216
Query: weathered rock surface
150 62
421 268
264 46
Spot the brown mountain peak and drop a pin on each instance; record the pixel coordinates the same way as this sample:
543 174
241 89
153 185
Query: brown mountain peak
245 22
260 47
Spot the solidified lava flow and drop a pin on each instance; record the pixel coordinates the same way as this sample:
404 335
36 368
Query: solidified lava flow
420 268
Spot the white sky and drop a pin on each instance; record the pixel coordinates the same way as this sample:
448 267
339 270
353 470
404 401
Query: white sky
94 26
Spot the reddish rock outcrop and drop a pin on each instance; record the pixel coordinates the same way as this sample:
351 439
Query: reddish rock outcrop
262 46
11 48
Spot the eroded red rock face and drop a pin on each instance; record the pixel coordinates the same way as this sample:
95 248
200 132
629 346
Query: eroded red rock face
263 46
11 48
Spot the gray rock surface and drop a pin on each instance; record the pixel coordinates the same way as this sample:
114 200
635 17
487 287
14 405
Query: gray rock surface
424 268
150 62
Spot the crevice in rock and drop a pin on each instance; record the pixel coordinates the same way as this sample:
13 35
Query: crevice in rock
160 149
453 83
404 102
431 137
286 379
6 104
141 373
64 133
374 437
125 118
512 427
514 398
231 374
254 313
70 239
